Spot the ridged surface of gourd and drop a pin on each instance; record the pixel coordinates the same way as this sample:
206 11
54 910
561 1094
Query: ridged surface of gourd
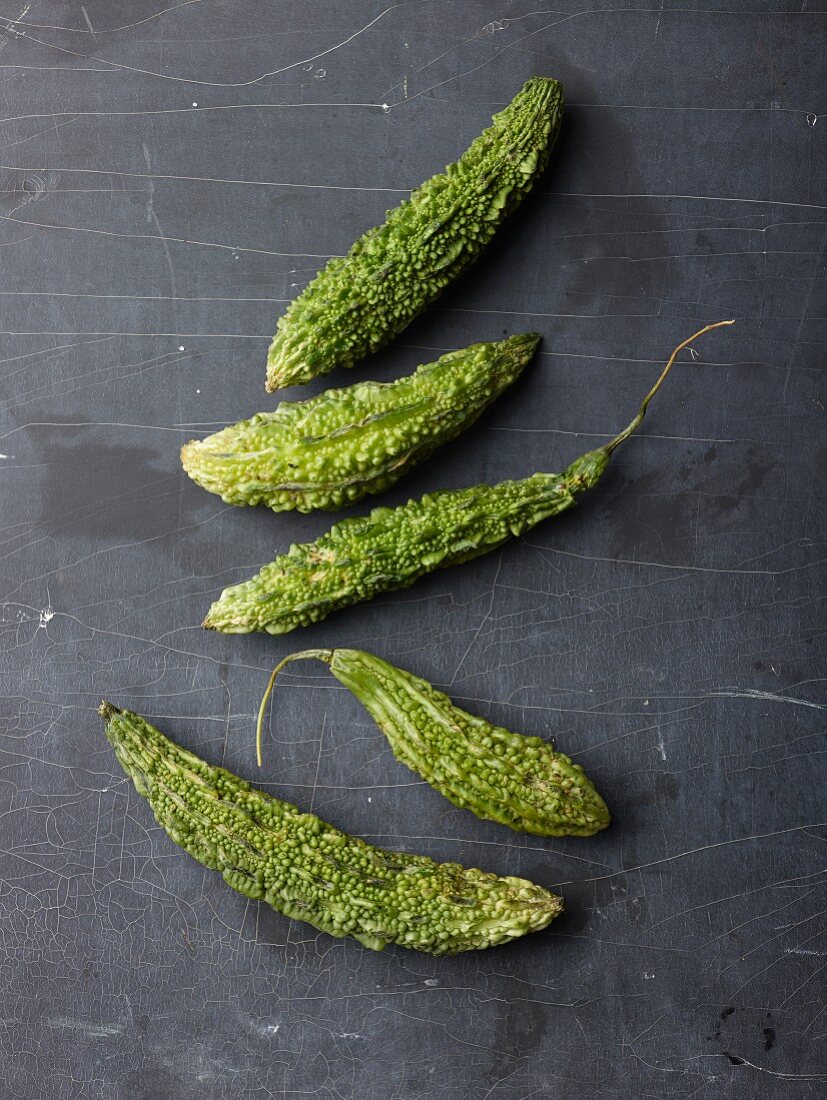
507 777
360 301
335 448
392 547
267 849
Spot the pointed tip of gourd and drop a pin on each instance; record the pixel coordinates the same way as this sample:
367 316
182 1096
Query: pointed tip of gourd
108 710
188 452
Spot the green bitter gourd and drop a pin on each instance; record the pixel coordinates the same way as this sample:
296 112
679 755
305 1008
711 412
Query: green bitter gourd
392 547
360 301
507 777
267 849
335 448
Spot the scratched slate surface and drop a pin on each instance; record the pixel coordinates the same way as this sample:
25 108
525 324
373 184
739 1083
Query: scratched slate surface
169 179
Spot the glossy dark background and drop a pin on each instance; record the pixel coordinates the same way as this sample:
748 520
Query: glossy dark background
169 180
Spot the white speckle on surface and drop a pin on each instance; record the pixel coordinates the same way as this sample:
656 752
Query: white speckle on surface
195 104
648 974
320 74
646 702
812 118
46 616
431 982
494 26
198 391
180 347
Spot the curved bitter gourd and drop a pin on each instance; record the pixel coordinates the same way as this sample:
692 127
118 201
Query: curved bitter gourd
360 301
306 869
506 777
335 448
393 547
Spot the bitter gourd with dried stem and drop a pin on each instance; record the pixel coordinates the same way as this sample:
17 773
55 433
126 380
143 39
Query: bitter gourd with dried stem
503 776
392 547
335 448
360 301
267 849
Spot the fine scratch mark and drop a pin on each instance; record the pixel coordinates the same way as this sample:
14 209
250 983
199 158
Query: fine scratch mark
215 83
111 30
93 1031
768 696
161 239
784 1076
213 179
697 851
194 110
89 24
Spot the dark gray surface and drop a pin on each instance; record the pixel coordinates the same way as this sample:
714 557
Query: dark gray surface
669 633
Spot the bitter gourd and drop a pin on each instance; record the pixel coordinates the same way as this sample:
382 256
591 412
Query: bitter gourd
392 547
506 777
360 301
335 448
267 849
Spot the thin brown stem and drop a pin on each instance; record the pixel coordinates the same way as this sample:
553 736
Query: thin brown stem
638 420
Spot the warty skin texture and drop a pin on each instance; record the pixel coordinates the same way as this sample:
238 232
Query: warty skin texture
392 547
360 301
389 548
506 777
333 449
306 869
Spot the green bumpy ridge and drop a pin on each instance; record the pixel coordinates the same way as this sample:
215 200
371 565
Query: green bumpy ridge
391 548
306 869
516 780
333 449
360 301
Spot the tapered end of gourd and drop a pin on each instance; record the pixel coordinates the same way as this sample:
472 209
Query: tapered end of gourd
545 89
541 98
202 462
226 618
190 455
271 382
292 361
593 812
522 344
585 472
108 711
215 619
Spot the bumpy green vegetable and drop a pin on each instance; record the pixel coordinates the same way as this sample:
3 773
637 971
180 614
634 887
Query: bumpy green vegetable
392 547
516 780
335 448
306 869
360 301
